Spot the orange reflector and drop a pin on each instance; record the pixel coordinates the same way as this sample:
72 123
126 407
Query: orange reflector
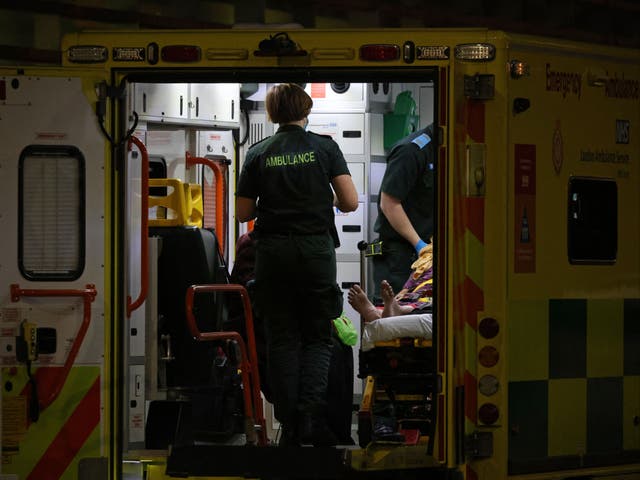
488 356
180 53
379 52
488 413
488 327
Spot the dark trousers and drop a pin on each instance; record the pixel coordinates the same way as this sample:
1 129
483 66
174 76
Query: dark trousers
394 265
297 296
340 392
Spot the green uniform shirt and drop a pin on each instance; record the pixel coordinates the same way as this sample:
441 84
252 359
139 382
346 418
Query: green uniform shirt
409 178
289 174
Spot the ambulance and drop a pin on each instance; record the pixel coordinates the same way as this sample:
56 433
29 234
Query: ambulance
120 358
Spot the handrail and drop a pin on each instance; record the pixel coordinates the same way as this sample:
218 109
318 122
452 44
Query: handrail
248 367
89 295
144 228
191 160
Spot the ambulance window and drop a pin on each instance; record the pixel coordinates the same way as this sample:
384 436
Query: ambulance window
592 231
51 213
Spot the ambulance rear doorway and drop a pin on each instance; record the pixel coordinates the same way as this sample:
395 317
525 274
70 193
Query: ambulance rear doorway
218 122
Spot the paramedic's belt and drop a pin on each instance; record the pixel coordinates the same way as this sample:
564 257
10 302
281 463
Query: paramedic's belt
373 248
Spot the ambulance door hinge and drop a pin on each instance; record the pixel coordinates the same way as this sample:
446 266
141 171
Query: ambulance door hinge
105 92
479 86
479 445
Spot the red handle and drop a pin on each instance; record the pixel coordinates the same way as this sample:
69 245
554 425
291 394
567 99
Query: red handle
219 193
55 380
248 366
144 229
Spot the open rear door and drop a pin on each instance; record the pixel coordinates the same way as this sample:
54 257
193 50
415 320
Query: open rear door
54 268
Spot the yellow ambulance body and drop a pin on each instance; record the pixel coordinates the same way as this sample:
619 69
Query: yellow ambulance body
536 313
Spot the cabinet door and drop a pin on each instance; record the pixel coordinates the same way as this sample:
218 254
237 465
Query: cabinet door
217 102
346 129
162 101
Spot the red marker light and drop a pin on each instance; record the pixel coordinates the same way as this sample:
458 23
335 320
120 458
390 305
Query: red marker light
379 52
180 53
488 327
488 356
488 413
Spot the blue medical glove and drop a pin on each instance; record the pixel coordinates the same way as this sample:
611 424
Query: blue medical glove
420 245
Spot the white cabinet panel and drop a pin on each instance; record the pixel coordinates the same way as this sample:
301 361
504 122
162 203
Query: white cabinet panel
196 103
162 100
350 228
337 97
217 102
346 129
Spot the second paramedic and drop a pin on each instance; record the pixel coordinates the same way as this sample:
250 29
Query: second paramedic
405 208
287 184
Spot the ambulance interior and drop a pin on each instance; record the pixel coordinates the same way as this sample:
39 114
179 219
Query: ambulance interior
183 391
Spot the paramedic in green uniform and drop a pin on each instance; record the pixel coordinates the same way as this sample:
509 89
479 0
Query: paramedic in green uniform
405 208
286 184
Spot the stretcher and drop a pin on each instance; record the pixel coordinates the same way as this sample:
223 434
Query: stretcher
396 359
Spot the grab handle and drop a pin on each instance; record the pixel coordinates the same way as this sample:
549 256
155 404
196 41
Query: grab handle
144 228
88 294
191 160
248 355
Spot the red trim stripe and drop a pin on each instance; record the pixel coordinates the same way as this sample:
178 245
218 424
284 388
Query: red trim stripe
471 396
471 473
473 302
475 120
71 437
474 216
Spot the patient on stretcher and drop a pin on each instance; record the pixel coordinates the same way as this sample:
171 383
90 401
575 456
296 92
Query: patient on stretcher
407 314
395 320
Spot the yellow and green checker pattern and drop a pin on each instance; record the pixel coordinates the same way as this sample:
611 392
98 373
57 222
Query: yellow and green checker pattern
573 383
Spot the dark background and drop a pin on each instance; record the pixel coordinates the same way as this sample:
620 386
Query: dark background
30 31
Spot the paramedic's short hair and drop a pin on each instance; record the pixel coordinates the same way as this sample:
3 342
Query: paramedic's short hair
287 102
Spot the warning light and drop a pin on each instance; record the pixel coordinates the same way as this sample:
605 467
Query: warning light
519 69
488 356
87 54
475 52
379 52
180 53
488 413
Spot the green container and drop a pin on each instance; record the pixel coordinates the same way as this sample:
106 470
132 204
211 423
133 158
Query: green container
402 122
396 127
